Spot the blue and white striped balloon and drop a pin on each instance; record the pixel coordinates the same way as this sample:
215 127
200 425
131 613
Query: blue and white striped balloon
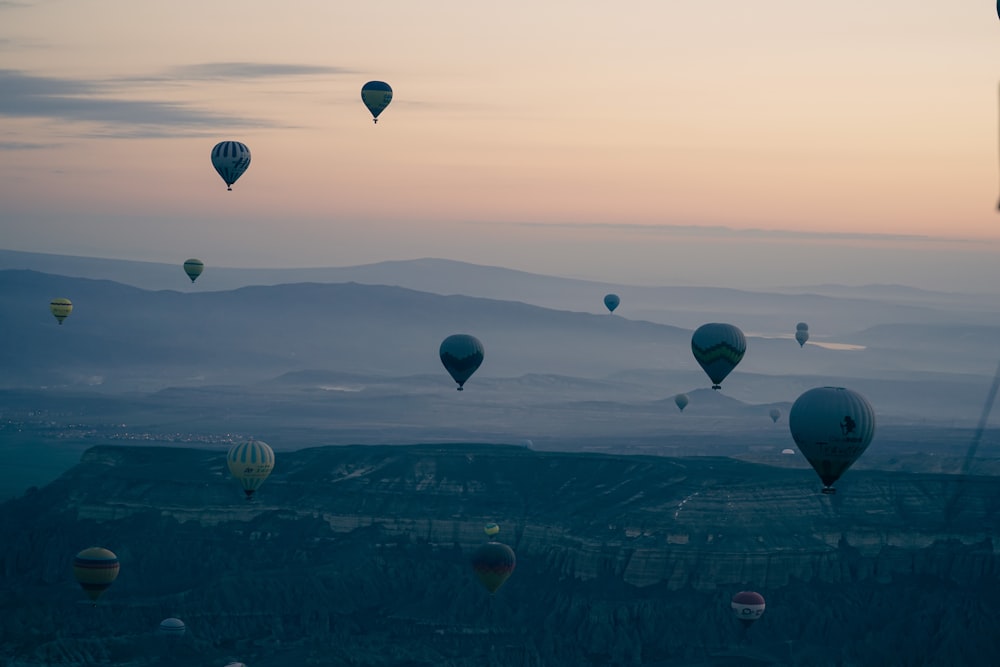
251 462
230 159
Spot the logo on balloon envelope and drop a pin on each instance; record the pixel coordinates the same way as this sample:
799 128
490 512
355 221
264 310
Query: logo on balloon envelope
832 427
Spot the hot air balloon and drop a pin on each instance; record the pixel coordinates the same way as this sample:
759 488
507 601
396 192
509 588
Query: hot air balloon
461 355
193 268
491 529
172 627
376 95
230 159
95 569
682 401
775 415
611 301
61 308
493 564
251 462
236 664
802 326
748 607
718 348
832 427
801 336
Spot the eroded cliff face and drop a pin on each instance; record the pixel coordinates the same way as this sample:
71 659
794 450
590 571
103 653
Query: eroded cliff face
621 560
699 523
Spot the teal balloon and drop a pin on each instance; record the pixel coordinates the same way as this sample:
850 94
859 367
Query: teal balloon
832 427
461 355
718 349
376 95
801 336
681 400
611 301
230 159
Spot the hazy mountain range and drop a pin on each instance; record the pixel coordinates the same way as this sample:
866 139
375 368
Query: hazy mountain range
634 522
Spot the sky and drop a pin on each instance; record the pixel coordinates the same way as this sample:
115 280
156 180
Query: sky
778 142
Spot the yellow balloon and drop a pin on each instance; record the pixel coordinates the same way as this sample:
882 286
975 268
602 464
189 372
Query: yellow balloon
61 308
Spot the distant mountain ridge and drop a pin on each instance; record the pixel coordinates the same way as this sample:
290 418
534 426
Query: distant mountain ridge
830 310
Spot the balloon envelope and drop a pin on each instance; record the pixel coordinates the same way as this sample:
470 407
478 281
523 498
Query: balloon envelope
193 268
376 95
95 569
172 627
681 400
493 564
250 462
61 308
802 326
718 348
832 427
802 335
491 529
230 159
775 414
461 355
611 301
747 606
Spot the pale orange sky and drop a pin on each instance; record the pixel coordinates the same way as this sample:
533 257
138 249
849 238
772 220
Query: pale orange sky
774 115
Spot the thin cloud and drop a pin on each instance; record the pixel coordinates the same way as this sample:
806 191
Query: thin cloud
24 146
75 100
250 70
719 231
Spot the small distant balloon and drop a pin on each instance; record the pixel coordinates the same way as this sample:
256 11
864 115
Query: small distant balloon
230 159
236 664
493 564
802 326
718 348
61 308
747 606
801 336
172 627
788 451
491 529
775 414
95 570
376 95
681 401
611 302
251 463
832 427
461 355
193 268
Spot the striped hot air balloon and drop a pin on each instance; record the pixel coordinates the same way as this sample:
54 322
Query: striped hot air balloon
251 462
95 568
193 268
60 308
747 606
171 627
230 159
493 564
718 348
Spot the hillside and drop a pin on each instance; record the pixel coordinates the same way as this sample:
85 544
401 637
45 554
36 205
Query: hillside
357 555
